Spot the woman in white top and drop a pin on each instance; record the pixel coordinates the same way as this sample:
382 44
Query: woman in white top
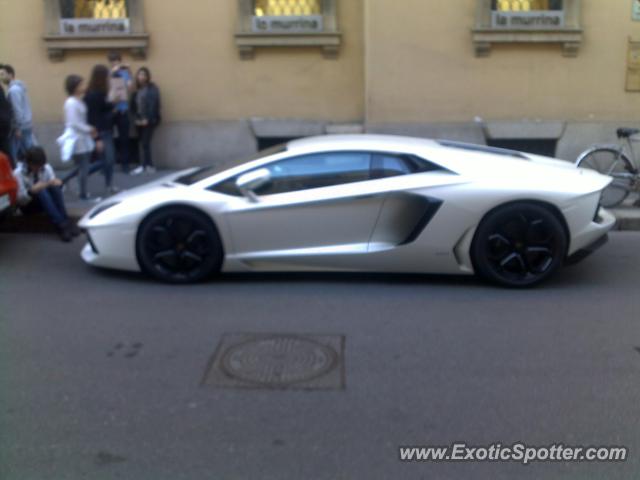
80 132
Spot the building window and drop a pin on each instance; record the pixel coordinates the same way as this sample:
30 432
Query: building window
525 5
95 25
285 8
527 21
96 9
287 23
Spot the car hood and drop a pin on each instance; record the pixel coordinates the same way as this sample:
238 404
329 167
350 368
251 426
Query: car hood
140 197
166 182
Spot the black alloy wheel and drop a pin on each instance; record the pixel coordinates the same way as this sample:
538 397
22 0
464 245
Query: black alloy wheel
179 245
519 245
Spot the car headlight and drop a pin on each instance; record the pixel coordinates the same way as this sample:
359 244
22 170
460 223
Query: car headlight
101 208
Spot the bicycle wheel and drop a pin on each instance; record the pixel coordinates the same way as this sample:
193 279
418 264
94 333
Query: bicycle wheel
613 163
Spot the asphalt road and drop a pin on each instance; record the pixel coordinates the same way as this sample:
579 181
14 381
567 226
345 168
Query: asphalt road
100 372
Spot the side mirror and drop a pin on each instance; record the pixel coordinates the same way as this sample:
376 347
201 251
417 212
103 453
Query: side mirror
251 181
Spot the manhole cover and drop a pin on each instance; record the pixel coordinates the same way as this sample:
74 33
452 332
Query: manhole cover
278 361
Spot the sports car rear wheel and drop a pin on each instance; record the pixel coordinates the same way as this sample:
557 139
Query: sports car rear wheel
179 245
519 245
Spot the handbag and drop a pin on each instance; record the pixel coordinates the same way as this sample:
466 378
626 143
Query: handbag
67 143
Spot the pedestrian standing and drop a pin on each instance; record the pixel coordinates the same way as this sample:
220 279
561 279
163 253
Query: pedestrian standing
77 140
100 116
22 137
6 116
39 190
145 107
120 89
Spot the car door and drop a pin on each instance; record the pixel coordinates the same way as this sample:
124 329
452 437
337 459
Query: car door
317 204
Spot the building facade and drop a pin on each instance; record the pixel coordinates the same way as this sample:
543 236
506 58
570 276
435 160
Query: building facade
548 75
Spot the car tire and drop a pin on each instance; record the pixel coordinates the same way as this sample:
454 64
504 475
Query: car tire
179 245
519 245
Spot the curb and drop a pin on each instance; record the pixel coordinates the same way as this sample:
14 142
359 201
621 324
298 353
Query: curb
628 223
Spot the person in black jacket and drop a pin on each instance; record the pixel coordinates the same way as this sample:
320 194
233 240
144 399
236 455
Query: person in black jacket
100 115
145 107
6 116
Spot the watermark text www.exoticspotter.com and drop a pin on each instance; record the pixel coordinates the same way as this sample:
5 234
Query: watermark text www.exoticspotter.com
517 452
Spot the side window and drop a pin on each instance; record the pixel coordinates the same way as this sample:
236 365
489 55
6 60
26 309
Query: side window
385 165
332 168
316 171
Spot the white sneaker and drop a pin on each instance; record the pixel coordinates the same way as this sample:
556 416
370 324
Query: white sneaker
137 171
150 169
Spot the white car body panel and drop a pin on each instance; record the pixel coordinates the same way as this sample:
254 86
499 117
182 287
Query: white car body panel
359 226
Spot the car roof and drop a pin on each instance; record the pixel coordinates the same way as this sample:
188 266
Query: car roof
361 141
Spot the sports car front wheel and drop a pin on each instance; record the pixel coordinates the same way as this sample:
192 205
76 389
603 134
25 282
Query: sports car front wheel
519 245
179 245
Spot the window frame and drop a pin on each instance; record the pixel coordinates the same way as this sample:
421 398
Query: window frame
268 165
57 43
247 41
568 36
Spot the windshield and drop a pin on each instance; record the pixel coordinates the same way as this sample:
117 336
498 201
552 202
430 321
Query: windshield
206 172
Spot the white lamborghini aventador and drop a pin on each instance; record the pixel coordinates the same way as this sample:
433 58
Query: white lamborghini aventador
357 203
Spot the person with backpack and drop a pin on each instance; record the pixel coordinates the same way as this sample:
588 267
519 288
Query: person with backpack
120 88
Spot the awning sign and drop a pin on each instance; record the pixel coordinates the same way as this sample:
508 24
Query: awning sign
288 24
532 20
93 26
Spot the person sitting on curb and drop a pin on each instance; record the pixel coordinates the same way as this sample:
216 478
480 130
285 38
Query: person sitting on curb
39 190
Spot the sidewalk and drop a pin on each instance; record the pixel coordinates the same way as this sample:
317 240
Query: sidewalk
627 215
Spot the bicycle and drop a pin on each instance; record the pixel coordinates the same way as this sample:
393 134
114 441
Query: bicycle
612 160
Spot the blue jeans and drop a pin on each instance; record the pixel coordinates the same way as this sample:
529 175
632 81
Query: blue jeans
20 145
108 156
51 201
82 170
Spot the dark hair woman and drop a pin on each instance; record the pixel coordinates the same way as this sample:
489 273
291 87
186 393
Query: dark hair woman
100 116
145 107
